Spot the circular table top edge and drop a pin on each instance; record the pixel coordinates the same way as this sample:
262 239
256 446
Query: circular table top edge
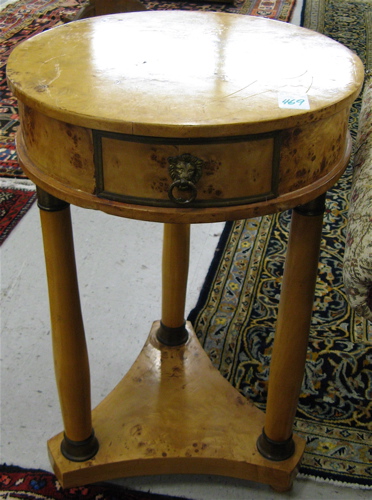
33 89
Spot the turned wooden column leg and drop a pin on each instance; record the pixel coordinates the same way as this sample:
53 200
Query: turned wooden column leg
176 250
69 346
292 329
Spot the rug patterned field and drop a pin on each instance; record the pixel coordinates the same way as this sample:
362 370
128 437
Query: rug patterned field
20 484
236 313
26 18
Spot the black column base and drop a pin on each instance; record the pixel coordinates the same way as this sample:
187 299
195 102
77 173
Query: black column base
275 450
80 451
172 336
312 208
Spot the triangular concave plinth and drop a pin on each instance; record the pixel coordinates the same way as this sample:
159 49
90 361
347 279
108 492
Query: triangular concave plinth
174 413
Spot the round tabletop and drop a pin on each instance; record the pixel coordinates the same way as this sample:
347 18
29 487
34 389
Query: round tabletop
184 74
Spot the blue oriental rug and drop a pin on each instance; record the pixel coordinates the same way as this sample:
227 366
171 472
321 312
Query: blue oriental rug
236 313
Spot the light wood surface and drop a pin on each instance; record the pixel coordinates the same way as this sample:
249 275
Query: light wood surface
107 106
287 365
154 85
69 345
182 74
77 185
175 266
174 413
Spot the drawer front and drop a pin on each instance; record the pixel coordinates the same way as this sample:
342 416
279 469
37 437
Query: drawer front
193 173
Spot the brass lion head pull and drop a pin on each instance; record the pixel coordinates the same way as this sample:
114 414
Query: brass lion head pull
185 171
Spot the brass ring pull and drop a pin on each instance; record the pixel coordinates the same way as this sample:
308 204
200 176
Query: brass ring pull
183 185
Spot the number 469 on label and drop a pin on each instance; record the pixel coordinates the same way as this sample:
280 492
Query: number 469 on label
293 102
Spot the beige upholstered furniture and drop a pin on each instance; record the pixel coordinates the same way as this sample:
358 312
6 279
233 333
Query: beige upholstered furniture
358 251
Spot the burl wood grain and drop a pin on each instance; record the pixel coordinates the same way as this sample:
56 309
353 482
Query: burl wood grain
184 76
191 421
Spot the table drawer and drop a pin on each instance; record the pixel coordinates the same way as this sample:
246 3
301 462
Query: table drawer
198 172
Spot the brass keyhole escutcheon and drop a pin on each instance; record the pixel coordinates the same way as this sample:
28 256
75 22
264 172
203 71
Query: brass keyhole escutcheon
185 171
